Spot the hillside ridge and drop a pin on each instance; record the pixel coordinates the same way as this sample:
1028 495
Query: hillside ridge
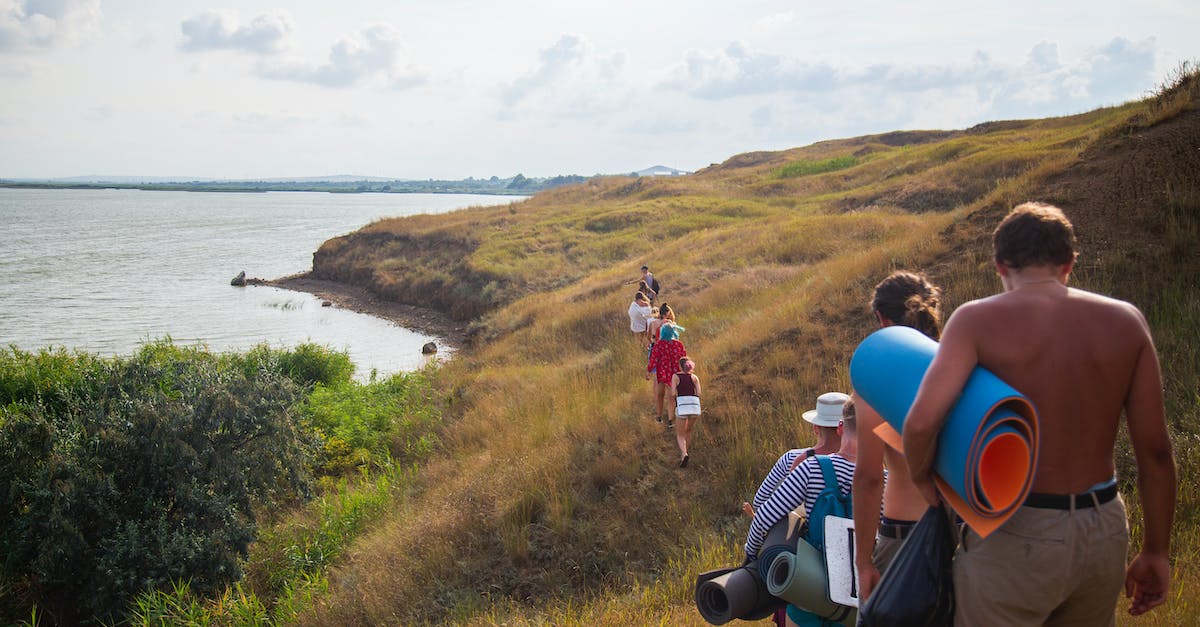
558 499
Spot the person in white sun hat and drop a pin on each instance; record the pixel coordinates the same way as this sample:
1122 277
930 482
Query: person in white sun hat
824 420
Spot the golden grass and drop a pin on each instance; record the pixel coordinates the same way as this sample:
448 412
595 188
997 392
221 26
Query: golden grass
558 501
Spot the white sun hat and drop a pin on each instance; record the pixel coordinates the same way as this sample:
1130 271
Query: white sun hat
829 409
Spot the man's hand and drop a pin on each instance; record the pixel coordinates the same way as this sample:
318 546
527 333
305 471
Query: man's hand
1146 582
868 579
647 376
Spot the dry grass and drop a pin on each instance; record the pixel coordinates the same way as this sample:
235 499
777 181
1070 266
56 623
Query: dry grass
558 501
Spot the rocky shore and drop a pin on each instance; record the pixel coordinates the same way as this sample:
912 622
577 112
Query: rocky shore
449 333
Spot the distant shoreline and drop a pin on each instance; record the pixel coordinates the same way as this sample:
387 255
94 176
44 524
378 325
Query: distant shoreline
448 333
336 188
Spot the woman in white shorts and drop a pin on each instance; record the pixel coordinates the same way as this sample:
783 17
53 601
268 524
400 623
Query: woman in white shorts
685 387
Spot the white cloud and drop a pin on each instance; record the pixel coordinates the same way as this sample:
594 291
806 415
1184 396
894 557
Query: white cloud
738 70
268 123
571 79
99 113
267 33
32 24
1040 85
372 54
16 68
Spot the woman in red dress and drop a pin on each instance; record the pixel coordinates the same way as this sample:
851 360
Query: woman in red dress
664 363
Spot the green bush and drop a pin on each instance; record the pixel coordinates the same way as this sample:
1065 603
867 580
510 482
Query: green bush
375 422
121 476
806 167
306 364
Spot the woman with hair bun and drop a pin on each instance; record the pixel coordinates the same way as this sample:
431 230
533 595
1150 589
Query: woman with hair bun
905 299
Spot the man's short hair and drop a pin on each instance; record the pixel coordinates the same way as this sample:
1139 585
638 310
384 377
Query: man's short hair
1034 234
850 418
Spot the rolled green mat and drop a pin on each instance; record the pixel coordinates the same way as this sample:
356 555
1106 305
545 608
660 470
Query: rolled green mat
782 538
799 578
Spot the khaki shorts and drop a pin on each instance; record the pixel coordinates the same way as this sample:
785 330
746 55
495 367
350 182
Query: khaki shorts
1044 566
885 551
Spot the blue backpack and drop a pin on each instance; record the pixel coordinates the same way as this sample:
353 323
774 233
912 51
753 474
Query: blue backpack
830 502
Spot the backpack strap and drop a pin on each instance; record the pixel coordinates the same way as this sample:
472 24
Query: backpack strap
827 472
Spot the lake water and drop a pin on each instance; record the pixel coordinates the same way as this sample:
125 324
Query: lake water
104 271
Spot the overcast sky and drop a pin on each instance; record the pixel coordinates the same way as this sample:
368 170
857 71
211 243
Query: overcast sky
458 88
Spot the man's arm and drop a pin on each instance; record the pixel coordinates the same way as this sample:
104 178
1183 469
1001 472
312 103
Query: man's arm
867 497
1148 577
956 357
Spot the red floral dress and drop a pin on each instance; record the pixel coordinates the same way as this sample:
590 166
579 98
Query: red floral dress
664 359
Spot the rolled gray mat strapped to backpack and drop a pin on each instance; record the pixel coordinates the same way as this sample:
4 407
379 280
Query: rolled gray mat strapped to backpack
729 593
799 578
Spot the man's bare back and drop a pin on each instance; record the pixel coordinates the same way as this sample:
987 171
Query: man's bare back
1083 360
1074 354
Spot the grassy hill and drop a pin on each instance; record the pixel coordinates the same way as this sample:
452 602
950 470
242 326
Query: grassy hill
556 498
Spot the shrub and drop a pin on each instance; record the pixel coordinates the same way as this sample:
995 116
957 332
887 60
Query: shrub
806 167
147 475
374 422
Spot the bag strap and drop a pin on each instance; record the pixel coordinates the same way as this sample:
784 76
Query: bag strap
827 472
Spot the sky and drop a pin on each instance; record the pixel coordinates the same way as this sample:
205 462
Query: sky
450 89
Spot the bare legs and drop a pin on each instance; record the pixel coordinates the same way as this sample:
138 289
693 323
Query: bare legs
660 396
683 436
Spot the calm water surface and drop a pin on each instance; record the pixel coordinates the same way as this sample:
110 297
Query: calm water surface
104 271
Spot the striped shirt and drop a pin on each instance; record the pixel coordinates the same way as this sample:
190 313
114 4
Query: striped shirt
775 477
799 488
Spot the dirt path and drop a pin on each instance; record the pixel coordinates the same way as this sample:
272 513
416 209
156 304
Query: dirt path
449 333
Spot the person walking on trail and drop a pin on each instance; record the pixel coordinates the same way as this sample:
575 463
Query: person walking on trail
640 315
685 389
1081 359
648 277
802 487
907 299
665 315
647 284
644 288
664 363
824 420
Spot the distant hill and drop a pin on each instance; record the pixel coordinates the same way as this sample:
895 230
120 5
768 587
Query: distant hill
660 170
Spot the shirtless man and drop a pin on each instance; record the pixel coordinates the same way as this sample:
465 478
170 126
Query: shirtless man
1081 358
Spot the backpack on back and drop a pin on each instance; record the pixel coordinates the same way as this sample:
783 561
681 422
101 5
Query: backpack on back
654 284
829 502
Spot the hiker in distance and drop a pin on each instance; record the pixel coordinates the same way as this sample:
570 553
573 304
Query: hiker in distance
886 511
663 364
685 390
640 315
647 284
1082 359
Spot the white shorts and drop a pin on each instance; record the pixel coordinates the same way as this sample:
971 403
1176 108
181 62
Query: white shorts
687 406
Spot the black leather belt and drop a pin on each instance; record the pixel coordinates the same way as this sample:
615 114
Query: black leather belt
1095 498
895 531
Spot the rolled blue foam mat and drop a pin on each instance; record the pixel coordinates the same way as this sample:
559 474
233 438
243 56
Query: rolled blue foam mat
987 449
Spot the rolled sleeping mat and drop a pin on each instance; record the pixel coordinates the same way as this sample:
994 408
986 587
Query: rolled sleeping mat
729 593
782 538
799 578
988 446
